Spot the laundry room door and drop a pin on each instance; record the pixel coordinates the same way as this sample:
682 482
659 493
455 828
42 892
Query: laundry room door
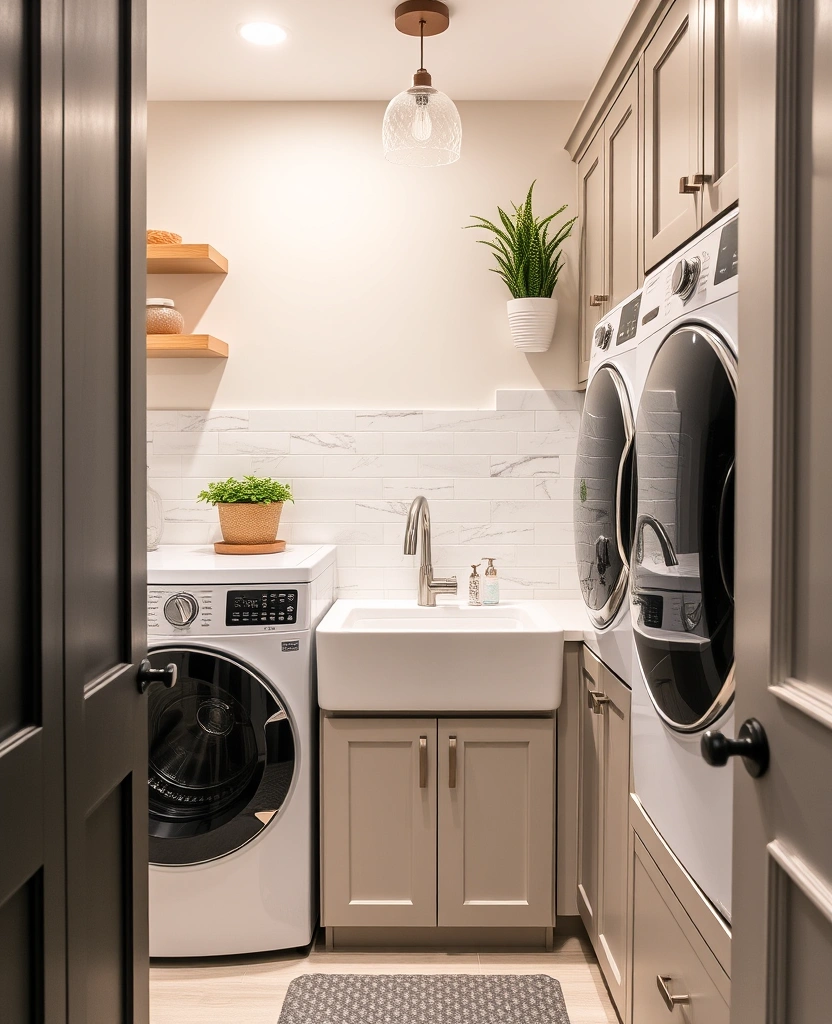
782 924
73 723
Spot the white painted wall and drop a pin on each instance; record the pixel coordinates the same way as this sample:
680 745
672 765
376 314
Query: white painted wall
351 283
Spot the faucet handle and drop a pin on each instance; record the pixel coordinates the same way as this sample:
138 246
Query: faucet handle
444 584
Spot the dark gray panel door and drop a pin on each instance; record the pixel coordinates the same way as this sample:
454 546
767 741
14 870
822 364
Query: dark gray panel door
32 918
73 846
782 879
104 483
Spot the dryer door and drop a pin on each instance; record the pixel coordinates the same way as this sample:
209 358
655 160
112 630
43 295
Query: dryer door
221 757
602 495
683 552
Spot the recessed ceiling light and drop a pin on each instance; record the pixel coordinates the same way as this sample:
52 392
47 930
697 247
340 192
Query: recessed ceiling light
263 33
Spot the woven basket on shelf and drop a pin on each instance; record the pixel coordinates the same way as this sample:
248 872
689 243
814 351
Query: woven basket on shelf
163 238
250 524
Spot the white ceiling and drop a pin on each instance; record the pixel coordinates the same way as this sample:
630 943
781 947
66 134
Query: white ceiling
350 49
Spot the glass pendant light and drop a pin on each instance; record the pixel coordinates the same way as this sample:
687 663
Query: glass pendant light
421 125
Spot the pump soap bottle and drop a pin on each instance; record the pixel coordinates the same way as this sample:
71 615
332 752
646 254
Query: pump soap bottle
474 592
491 591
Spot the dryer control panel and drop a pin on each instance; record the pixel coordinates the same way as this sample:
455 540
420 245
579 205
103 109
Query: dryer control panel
211 611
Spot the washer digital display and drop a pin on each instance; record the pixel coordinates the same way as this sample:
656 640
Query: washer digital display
261 607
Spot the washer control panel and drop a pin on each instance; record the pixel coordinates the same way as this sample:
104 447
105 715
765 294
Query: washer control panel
215 610
253 607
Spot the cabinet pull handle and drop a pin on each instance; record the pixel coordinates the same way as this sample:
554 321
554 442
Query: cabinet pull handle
692 183
670 1001
598 300
423 762
452 762
596 699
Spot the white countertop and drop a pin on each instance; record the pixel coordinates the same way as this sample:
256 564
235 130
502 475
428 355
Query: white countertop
572 617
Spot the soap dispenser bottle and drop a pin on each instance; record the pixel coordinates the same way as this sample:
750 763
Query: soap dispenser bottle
491 591
474 589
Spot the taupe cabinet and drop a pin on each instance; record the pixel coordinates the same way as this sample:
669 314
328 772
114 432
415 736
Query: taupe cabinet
608 207
672 964
656 146
438 822
690 122
671 132
603 819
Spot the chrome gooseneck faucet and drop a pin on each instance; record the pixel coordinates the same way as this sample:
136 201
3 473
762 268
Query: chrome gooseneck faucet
418 522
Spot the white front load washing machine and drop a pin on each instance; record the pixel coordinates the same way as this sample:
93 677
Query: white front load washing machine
602 498
682 560
232 765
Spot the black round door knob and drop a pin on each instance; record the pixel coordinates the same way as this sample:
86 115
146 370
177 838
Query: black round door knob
751 745
148 674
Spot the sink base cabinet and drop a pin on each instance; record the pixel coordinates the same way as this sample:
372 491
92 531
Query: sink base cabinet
378 801
444 823
496 822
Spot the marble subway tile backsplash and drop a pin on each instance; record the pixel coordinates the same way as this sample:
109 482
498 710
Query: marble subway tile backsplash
499 483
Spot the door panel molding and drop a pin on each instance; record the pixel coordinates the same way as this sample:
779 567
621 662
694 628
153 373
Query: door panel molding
811 700
787 871
813 885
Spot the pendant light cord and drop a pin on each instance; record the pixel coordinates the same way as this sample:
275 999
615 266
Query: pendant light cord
422 44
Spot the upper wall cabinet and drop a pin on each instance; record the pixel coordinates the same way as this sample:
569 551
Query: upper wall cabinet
656 147
591 206
608 207
672 168
721 125
621 159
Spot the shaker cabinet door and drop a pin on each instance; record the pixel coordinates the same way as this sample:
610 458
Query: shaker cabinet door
589 792
720 124
594 300
672 206
379 821
603 820
496 822
614 802
621 159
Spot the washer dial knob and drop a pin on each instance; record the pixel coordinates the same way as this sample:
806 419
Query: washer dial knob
685 277
181 609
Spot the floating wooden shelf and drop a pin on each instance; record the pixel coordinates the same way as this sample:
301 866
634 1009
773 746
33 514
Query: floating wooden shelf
185 346
185 259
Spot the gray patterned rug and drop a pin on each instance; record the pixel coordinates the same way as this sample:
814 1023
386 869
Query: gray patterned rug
424 999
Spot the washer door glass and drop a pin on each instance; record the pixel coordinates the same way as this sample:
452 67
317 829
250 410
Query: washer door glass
683 552
602 495
221 757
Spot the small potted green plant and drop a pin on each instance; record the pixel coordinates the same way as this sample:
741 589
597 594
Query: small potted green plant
529 262
249 509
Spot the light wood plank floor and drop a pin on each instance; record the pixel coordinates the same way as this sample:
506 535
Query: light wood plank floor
251 991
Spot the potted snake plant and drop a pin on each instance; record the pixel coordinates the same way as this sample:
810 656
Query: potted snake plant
529 261
249 509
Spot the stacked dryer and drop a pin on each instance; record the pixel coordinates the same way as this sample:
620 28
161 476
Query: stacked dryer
682 557
603 479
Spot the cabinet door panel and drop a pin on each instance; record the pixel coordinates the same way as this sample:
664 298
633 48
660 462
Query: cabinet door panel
614 834
379 821
671 125
667 946
621 154
589 793
496 822
591 205
721 121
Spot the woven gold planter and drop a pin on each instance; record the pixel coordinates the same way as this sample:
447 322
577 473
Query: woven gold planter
250 524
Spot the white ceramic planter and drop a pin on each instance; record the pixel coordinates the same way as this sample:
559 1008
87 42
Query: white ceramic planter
532 323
